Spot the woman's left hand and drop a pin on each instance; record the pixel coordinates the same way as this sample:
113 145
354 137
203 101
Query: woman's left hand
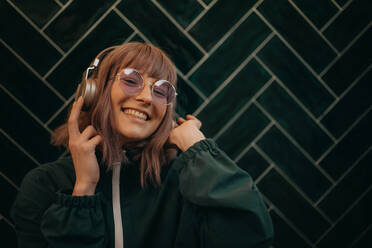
186 132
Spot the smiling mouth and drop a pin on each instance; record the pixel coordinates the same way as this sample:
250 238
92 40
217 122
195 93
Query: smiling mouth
135 113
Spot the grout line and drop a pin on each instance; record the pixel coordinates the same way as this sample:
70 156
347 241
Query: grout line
60 110
254 145
224 37
205 10
179 27
302 193
36 28
334 17
361 235
130 37
25 108
264 173
297 100
336 4
80 40
56 15
298 56
59 3
243 109
285 219
343 135
130 24
9 180
352 85
191 84
295 143
63 154
346 173
326 69
344 214
233 74
202 4
47 84
19 146
314 27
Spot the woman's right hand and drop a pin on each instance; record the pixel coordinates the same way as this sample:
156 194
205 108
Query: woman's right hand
82 147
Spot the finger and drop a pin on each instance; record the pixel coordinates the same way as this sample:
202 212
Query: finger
197 121
96 140
73 124
181 120
88 132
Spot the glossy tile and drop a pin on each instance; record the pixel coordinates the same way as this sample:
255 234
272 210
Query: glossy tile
350 107
8 192
26 87
230 54
68 74
293 73
183 11
218 20
187 99
233 97
293 205
253 163
29 44
349 149
242 131
18 164
349 23
61 118
162 33
294 164
138 38
75 21
26 131
341 2
284 233
349 189
299 34
351 225
319 12
350 65
8 234
365 240
39 11
294 120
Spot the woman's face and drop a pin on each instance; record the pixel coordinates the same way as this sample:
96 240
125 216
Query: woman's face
136 116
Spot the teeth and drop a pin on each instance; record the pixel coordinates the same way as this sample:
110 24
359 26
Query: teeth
135 113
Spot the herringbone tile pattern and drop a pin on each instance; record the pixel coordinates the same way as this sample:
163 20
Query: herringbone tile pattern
283 86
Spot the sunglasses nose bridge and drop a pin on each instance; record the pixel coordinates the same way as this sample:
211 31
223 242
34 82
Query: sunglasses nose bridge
145 93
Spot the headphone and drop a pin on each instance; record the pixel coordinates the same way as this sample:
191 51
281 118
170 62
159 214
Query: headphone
87 88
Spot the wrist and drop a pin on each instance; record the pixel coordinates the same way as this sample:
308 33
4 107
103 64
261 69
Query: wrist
195 139
82 189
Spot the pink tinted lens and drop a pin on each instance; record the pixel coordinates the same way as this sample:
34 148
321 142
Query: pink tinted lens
163 92
131 81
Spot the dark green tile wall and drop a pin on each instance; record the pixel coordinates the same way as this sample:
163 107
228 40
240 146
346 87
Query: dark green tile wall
283 86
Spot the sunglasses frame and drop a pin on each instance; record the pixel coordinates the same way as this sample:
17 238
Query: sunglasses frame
152 85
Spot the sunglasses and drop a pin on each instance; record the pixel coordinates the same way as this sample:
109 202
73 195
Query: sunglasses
132 82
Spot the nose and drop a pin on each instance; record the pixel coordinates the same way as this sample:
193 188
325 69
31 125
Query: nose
145 94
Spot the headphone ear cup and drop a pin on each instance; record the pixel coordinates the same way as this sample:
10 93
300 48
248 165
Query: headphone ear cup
86 89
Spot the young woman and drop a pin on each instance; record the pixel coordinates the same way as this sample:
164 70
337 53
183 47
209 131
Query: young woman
135 177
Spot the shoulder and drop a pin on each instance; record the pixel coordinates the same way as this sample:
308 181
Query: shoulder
45 180
38 188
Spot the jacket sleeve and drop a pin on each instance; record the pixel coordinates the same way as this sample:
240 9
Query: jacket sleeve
44 218
228 206
74 221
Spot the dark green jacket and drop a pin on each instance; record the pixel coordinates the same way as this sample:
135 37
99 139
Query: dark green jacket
205 200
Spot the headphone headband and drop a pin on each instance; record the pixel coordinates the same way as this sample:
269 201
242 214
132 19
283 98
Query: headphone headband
96 62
